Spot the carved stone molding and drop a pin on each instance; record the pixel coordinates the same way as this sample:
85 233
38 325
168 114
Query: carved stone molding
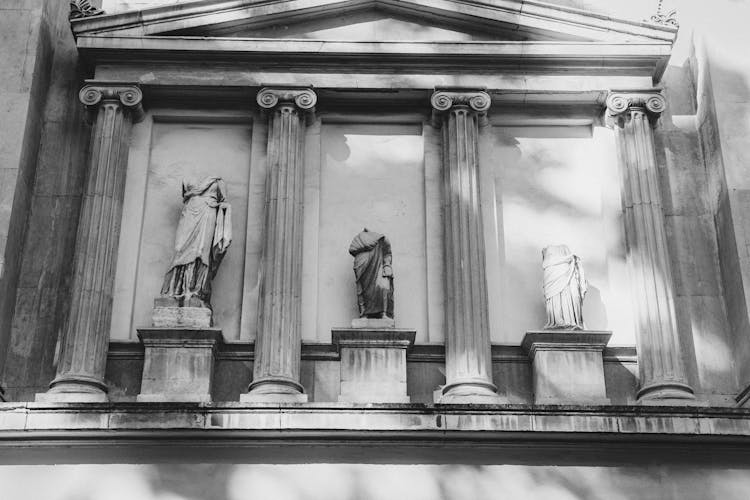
83 8
668 19
303 98
128 96
476 101
619 104
443 100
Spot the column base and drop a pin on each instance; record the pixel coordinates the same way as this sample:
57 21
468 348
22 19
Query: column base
568 366
469 392
667 394
72 391
274 390
373 364
178 363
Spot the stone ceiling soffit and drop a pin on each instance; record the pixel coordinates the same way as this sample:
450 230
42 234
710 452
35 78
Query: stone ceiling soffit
525 19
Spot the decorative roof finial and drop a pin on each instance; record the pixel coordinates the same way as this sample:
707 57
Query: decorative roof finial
668 19
83 8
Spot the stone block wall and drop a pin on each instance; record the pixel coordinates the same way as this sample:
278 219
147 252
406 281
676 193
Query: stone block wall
41 161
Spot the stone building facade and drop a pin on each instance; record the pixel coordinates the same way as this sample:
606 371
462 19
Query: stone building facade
473 133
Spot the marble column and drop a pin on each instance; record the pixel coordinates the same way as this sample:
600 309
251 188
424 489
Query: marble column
662 373
278 344
111 108
468 363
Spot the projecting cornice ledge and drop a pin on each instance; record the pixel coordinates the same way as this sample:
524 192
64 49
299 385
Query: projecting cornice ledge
343 432
640 59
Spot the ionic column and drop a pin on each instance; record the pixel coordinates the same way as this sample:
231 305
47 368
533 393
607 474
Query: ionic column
468 363
112 109
662 374
277 346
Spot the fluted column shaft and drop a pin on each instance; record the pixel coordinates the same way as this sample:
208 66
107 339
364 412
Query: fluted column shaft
112 108
662 373
278 344
468 362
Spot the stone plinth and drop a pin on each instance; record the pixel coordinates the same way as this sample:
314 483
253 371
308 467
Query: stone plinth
568 366
169 313
373 364
373 323
178 363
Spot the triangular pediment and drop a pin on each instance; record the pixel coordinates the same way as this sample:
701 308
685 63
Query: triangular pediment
361 26
375 20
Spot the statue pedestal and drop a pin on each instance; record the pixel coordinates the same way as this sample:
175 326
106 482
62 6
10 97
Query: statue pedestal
169 312
178 363
568 366
373 323
373 364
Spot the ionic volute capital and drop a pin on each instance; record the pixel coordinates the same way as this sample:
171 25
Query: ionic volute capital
128 96
476 101
302 98
621 104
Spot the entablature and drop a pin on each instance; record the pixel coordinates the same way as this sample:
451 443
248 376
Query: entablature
204 55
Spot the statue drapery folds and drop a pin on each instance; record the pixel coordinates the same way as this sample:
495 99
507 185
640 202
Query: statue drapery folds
564 288
203 236
373 273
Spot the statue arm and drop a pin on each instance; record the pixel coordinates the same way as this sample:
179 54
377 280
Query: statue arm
387 258
221 191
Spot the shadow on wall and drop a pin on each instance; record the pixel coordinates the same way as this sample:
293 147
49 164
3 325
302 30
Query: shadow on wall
552 186
710 301
369 482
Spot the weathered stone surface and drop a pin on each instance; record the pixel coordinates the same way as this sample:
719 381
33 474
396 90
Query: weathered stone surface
424 419
85 339
27 40
202 237
373 364
373 274
373 323
567 366
195 317
662 372
277 347
48 99
178 363
467 338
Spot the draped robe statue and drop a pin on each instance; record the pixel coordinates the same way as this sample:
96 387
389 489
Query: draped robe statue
374 275
564 288
203 236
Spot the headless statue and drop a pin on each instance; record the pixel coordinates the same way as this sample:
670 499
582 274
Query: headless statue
373 273
564 288
203 236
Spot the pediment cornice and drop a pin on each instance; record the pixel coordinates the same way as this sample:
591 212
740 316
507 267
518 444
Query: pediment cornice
530 18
